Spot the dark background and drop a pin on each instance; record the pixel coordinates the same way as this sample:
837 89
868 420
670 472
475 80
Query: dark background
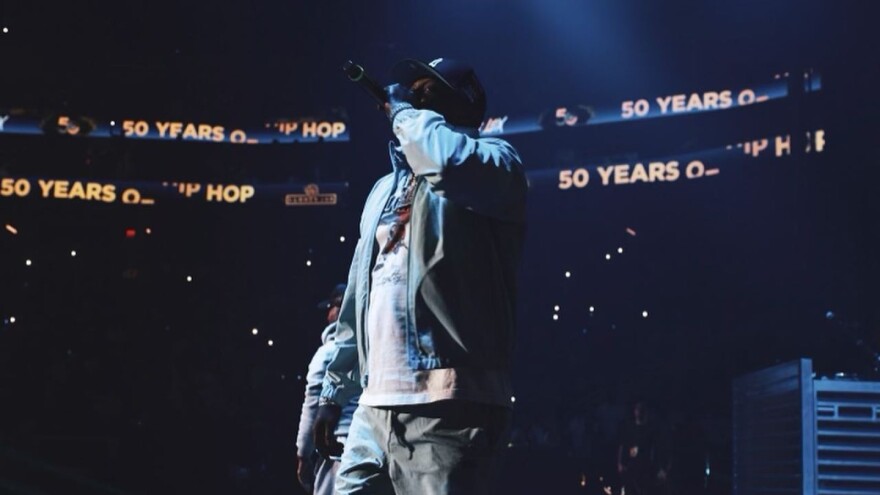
118 375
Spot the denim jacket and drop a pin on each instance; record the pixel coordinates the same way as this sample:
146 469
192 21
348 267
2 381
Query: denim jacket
305 444
467 226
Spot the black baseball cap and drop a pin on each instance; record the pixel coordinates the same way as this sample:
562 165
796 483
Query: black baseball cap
456 75
335 297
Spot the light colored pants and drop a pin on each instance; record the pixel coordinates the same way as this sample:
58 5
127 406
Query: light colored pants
444 448
325 476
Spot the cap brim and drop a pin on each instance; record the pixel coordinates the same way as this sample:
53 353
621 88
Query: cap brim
409 70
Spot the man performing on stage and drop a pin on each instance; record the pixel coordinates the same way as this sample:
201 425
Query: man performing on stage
426 325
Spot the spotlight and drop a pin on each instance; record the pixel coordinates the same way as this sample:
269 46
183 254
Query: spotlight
512 398
555 317
567 274
607 256
342 238
73 254
189 278
148 231
11 319
308 262
620 250
255 331
556 308
644 314
28 262
271 343
592 309
112 123
5 30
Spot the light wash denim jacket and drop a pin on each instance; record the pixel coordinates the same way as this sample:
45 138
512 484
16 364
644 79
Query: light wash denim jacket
466 227
305 443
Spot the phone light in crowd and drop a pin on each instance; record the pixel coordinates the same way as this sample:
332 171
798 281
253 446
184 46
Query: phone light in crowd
28 262
607 256
555 317
11 319
644 314
189 278
556 308
342 238
112 123
12 230
308 262
567 274
73 254
512 398
592 309
5 30
255 331
620 250
271 343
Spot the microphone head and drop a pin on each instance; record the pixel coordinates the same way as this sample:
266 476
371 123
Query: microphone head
353 70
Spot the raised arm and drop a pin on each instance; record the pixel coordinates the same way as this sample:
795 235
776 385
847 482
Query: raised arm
484 175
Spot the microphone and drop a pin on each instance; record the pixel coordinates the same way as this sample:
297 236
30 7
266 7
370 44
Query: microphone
357 74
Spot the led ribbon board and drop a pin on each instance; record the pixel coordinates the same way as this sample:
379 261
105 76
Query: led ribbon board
690 166
668 105
151 193
279 131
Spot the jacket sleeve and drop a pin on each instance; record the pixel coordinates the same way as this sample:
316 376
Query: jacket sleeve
484 175
305 444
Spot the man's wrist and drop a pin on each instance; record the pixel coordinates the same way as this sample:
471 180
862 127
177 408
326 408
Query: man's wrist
326 401
397 108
